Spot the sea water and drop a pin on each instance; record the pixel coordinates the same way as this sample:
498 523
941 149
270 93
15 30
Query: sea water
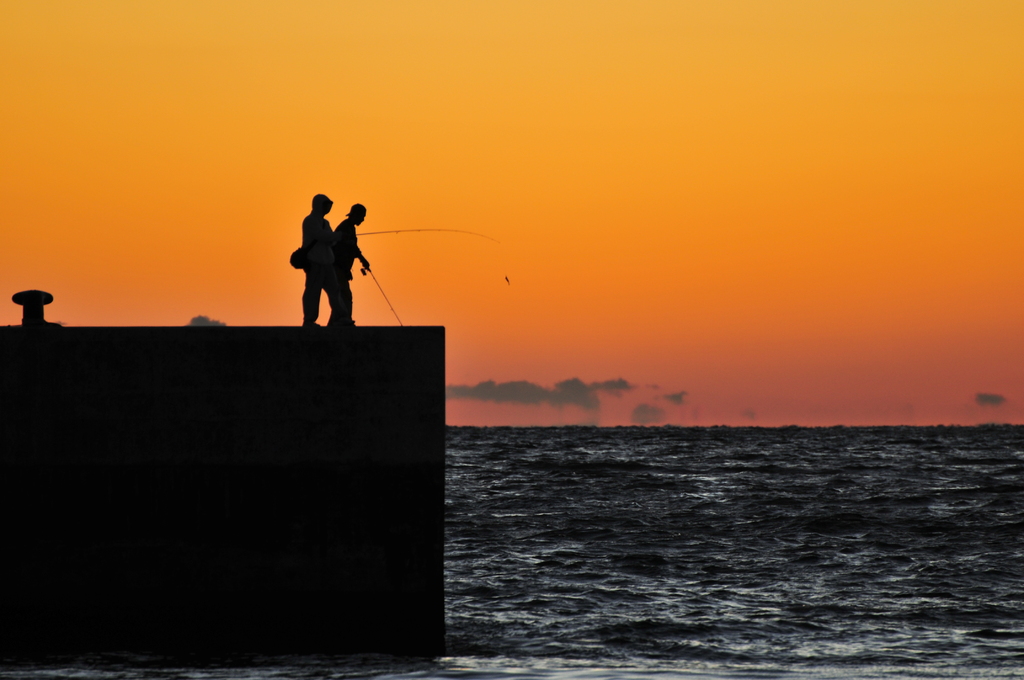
591 553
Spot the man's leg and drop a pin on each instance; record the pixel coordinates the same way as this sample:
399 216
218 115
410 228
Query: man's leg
343 276
346 293
311 296
340 314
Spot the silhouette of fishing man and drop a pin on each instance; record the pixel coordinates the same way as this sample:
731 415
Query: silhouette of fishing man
320 275
346 250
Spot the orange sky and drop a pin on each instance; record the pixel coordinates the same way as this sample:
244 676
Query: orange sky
796 212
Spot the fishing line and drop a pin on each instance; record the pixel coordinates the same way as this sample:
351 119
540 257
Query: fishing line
364 270
474 234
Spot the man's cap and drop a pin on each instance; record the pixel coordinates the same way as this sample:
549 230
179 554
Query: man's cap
358 209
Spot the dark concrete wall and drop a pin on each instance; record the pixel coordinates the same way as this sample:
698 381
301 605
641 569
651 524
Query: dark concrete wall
222 489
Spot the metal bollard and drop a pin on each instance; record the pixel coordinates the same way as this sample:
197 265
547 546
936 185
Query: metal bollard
32 302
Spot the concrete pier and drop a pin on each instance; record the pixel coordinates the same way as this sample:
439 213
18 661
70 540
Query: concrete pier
222 489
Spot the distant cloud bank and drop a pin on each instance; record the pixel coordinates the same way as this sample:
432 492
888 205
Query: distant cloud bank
983 399
204 321
675 398
573 392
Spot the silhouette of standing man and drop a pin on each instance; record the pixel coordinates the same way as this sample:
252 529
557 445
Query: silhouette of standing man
320 276
346 250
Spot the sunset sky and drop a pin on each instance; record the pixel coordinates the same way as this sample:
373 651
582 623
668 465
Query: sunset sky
801 213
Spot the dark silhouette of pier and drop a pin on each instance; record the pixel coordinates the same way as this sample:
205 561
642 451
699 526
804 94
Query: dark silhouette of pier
222 489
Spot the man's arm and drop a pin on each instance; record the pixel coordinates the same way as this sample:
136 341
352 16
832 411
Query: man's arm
327 236
351 241
317 232
359 254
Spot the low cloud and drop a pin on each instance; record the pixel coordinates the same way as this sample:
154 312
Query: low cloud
204 321
675 398
616 387
573 392
645 414
983 399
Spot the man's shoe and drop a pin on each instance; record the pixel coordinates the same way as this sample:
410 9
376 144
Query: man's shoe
309 324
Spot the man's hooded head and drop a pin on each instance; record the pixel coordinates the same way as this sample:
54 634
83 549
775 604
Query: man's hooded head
322 204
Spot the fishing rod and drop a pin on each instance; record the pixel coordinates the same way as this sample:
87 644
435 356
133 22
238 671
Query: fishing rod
364 270
402 231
